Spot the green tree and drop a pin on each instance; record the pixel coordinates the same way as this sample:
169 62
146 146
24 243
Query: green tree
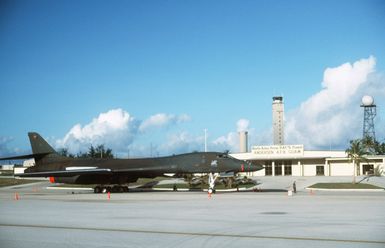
377 171
82 155
103 152
91 152
356 153
64 152
379 148
373 147
97 152
369 144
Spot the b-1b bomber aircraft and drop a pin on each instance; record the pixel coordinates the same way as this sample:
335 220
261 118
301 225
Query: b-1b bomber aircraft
111 174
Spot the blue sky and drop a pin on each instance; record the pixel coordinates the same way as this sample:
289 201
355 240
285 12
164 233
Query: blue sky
202 64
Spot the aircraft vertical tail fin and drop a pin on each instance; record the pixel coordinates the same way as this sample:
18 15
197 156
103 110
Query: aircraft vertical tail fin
40 150
39 145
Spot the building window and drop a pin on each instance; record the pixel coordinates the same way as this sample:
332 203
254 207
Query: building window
278 168
268 168
287 170
320 170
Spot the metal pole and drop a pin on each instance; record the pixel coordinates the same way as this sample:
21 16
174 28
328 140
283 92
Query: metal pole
205 139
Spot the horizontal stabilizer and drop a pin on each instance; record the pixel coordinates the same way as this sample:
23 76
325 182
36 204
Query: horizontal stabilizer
38 155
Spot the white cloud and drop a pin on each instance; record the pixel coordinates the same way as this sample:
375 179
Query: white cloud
162 120
330 117
227 142
118 130
231 140
181 142
340 84
173 143
115 128
333 116
243 125
4 149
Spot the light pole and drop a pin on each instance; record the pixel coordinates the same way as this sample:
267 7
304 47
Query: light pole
205 139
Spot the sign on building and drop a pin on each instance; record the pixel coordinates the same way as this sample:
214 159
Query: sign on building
278 151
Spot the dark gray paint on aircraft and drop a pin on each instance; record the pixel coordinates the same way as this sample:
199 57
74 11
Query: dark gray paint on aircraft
48 163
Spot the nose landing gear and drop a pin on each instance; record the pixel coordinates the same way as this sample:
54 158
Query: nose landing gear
212 179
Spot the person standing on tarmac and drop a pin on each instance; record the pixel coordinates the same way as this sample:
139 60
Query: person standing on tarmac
294 187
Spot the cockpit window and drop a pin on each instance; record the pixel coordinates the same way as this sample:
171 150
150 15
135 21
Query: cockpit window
222 156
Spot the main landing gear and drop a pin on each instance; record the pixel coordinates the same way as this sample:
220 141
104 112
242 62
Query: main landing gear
110 188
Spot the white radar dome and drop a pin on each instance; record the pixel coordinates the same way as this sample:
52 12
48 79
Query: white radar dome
367 100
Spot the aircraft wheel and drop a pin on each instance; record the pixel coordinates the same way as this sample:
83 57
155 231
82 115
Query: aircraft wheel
97 190
120 189
108 189
125 189
114 189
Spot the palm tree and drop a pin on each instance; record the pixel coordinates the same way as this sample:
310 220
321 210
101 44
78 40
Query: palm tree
379 148
356 153
369 144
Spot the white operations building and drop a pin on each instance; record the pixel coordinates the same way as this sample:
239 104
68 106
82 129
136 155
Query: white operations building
294 160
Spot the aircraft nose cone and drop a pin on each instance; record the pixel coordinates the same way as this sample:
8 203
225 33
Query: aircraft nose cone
252 167
244 165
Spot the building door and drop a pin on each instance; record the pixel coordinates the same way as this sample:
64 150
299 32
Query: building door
278 168
268 170
367 169
320 170
288 170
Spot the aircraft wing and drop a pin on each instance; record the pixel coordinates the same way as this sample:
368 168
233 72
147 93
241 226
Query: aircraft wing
75 171
163 168
65 173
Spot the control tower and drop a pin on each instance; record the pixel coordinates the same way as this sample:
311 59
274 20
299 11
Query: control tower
278 122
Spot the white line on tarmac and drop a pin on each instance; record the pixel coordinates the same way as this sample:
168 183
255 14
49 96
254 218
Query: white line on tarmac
194 233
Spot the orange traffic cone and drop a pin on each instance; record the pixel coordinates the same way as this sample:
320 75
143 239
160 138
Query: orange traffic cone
16 198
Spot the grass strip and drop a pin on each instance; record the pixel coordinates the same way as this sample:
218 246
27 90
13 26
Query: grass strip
344 186
12 181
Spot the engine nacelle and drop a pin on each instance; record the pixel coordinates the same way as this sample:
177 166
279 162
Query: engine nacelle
93 179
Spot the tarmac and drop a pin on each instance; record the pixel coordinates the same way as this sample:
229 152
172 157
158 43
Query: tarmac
33 216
